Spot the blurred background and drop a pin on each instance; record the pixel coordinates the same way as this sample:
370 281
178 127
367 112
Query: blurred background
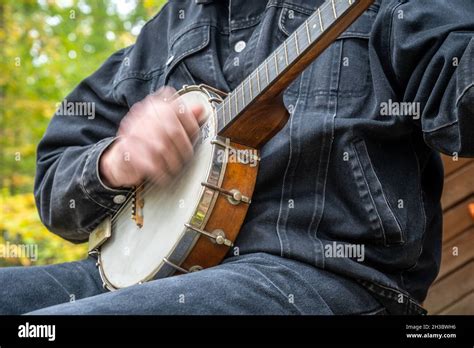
46 48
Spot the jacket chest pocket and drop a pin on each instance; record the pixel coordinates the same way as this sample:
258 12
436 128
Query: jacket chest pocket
350 50
188 61
354 61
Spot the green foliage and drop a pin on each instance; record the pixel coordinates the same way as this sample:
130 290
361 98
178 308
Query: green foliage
47 47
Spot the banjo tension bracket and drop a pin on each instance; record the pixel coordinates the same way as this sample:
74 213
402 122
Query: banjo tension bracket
234 196
217 235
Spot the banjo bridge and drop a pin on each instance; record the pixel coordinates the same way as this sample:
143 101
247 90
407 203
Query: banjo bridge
137 206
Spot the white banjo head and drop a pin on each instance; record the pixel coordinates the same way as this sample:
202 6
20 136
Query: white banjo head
133 254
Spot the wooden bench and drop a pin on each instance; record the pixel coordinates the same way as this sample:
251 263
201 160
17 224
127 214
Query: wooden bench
453 290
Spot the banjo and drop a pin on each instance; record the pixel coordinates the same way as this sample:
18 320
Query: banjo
191 223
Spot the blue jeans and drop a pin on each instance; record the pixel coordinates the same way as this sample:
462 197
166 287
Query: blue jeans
249 284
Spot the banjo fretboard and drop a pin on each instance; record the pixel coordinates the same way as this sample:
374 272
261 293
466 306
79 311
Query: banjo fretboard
279 69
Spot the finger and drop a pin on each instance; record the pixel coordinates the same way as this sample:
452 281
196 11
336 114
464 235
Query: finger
182 132
146 163
176 133
172 142
187 119
129 169
179 108
164 151
199 114
133 121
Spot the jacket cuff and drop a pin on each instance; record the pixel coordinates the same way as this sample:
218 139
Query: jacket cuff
92 184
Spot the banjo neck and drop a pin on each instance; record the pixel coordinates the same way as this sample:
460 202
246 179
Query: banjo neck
265 85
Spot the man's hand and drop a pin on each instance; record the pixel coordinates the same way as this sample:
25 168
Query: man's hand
155 141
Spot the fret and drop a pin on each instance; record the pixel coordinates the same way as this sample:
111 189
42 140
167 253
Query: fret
327 13
341 7
286 52
313 26
240 104
271 69
236 102
308 34
254 84
280 56
302 38
276 63
247 96
237 97
258 81
223 109
229 103
292 50
296 44
251 90
219 113
312 22
320 19
239 100
266 71
260 77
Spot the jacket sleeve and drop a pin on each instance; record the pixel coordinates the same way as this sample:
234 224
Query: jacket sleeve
432 55
70 196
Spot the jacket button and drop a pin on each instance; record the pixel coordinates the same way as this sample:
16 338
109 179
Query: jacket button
240 46
119 199
170 59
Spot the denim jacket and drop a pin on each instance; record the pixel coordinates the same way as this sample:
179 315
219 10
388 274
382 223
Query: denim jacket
357 163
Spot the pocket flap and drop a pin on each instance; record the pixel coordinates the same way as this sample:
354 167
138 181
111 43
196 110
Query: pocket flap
292 17
362 26
186 43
